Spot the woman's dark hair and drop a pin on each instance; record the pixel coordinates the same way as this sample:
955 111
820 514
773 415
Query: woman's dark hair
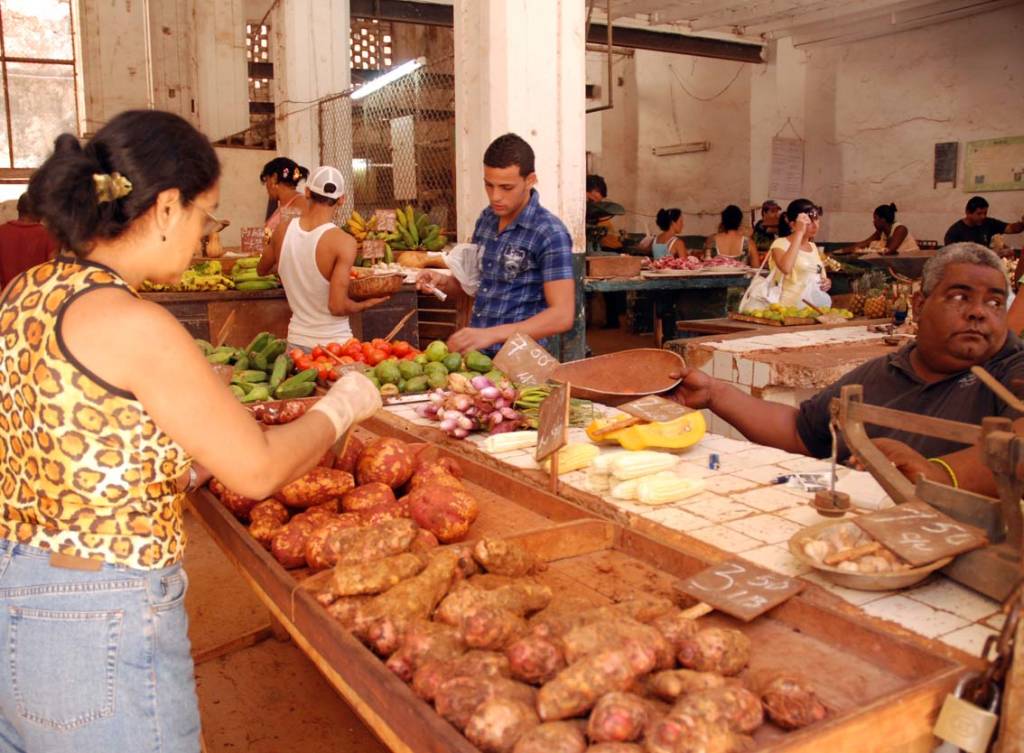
287 171
800 206
887 212
732 218
153 150
666 217
509 150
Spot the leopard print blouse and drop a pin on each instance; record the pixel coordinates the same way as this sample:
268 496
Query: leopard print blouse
84 470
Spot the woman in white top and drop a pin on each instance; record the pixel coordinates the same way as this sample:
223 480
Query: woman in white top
796 261
730 241
890 237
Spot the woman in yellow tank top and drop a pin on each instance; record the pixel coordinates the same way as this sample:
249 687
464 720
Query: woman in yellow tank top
796 260
104 403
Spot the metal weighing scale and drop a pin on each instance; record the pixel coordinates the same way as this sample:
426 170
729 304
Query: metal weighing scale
995 569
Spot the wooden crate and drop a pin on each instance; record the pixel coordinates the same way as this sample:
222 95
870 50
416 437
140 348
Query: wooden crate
614 266
883 689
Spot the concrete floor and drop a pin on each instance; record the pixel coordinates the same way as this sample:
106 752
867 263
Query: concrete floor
264 698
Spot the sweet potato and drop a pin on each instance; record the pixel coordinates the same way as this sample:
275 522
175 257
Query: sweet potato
425 640
553 737
424 541
316 552
433 673
569 613
366 496
445 511
376 576
611 633
351 546
491 628
503 557
289 544
237 505
577 688
346 460
671 684
385 460
676 628
790 701
459 697
615 748
346 609
535 660
682 733
722 650
267 517
618 717
444 472
498 724
733 705
316 487
521 598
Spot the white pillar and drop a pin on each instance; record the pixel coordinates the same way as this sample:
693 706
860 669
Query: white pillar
520 66
311 62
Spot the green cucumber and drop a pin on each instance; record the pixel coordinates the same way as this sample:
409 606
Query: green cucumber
279 371
300 389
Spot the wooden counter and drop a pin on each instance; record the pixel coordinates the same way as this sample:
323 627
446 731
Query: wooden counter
883 688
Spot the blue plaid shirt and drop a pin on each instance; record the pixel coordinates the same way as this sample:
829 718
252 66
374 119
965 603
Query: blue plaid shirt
534 249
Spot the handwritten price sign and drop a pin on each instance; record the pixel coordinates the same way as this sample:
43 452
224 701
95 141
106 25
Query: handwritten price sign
525 361
740 589
552 426
653 408
920 534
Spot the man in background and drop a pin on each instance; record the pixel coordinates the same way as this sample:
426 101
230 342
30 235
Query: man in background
24 243
978 227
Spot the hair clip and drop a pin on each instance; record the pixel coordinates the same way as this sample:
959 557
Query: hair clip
284 173
111 186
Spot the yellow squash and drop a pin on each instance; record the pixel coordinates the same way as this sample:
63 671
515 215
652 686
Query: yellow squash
676 434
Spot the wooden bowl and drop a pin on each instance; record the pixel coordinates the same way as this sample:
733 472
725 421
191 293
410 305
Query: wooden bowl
374 286
858 581
617 378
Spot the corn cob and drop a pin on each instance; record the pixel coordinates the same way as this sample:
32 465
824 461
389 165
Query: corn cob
636 464
627 490
510 440
573 457
661 490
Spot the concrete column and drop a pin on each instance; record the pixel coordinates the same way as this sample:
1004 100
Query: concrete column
311 40
520 66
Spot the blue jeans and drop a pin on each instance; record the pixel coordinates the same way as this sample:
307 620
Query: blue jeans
93 661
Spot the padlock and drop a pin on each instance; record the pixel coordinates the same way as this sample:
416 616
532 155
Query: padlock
965 725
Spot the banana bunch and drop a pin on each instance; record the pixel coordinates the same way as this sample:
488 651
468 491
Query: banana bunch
416 231
247 278
202 276
359 227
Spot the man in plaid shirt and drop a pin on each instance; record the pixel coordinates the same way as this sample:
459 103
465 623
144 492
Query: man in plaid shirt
525 258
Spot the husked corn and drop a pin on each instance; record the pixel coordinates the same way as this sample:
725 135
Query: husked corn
510 440
662 489
573 457
635 464
627 490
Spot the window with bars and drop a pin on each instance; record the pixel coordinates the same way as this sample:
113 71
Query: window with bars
371 44
37 70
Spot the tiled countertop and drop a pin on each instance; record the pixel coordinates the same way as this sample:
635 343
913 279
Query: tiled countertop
741 512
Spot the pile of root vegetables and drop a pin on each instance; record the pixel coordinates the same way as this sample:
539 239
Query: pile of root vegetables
308 522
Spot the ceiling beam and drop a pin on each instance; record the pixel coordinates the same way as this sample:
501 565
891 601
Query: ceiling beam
621 8
402 11
679 44
895 22
694 9
749 13
827 11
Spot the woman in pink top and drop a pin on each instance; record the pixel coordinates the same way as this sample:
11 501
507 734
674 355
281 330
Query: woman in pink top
281 176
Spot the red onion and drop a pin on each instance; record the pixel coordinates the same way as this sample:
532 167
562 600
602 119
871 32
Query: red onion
481 382
461 402
501 403
490 393
471 411
449 425
509 393
423 411
509 413
495 418
464 422
460 433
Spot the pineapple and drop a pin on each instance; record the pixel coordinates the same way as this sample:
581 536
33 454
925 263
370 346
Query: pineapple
876 305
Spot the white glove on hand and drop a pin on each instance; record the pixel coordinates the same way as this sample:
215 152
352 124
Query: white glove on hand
351 399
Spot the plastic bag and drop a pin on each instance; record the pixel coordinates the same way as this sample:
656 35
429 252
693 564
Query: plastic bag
464 262
763 290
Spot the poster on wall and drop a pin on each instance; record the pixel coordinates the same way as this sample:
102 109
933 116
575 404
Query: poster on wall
787 176
995 165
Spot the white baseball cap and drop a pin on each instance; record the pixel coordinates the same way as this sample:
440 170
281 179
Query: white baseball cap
327 181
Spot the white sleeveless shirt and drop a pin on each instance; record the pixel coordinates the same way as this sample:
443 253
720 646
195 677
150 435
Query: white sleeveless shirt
307 291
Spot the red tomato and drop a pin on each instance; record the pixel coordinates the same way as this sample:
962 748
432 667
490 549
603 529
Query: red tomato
381 344
346 360
303 363
376 356
318 352
400 348
349 343
367 348
334 348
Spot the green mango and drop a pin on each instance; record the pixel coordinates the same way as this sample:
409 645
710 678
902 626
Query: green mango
401 385
410 369
417 384
478 362
437 379
421 359
452 362
436 351
387 372
373 378
435 367
495 376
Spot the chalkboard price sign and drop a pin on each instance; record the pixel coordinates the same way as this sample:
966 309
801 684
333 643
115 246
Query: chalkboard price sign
524 361
740 588
945 162
386 219
372 249
919 533
552 426
653 408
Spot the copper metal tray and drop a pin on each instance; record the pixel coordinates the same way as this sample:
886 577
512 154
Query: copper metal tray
617 378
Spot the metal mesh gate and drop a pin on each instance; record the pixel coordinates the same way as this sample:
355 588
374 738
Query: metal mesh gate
402 143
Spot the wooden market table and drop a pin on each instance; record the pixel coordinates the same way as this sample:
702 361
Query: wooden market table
883 685
696 296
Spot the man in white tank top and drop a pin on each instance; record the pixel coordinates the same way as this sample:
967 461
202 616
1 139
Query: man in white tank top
313 258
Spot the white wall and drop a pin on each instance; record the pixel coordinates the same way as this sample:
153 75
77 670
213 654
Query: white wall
870 114
243 200
670 99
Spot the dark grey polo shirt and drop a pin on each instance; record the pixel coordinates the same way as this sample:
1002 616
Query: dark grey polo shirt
890 381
